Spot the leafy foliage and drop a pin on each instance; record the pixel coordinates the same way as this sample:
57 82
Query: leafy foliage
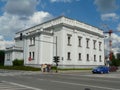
115 61
18 62
2 55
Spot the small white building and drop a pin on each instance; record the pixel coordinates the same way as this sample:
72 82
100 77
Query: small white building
76 43
11 54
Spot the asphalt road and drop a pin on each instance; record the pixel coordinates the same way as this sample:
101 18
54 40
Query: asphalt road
21 80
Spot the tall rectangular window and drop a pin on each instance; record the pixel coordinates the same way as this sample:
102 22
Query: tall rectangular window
33 55
29 54
100 43
32 41
69 39
69 56
8 56
79 56
79 41
87 57
87 42
100 59
94 44
94 58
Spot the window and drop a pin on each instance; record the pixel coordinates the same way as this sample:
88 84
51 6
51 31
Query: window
79 56
29 58
69 39
94 44
68 56
32 41
33 55
79 41
94 58
8 56
100 59
100 43
87 43
29 54
87 57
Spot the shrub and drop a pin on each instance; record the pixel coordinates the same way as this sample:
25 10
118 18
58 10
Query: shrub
18 62
25 68
115 62
53 67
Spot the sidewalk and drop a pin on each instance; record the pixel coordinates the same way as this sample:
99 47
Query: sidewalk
71 71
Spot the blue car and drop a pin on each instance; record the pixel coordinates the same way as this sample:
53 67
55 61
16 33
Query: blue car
101 69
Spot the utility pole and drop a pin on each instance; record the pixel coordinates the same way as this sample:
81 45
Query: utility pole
56 58
56 45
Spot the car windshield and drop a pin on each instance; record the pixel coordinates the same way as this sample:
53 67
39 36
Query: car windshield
99 67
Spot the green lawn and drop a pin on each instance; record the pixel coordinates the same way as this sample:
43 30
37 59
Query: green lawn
26 68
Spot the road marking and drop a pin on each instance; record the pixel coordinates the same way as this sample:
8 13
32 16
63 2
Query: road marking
87 78
93 79
20 85
85 85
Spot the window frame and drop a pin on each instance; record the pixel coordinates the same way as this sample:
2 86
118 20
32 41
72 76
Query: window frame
68 56
69 39
79 56
79 41
87 42
94 44
95 58
87 57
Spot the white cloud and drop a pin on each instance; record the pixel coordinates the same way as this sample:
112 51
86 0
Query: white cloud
4 44
11 24
118 28
21 7
1 38
39 17
105 5
19 15
109 16
115 43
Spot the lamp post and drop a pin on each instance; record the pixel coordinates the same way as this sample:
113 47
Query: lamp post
56 58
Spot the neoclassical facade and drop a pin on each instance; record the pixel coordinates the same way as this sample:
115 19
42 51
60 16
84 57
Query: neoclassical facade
76 43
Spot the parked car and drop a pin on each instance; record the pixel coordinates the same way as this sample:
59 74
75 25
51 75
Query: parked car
101 69
113 68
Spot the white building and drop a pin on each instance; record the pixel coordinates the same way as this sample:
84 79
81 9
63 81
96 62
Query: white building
76 43
13 53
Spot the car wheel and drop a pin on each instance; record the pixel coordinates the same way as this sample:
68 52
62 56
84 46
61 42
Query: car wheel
107 71
93 72
101 72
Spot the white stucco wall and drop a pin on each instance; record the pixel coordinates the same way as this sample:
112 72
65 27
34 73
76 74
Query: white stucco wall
61 28
74 49
10 56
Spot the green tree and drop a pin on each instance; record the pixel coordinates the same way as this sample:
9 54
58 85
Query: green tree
2 56
114 61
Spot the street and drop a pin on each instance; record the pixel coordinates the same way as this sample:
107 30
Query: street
26 80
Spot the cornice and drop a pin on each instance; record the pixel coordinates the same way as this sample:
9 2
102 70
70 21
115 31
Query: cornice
65 21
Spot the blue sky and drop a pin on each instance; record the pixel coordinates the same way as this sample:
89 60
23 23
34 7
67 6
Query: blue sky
16 15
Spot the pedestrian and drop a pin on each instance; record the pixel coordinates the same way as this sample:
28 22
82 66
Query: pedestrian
45 67
42 67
